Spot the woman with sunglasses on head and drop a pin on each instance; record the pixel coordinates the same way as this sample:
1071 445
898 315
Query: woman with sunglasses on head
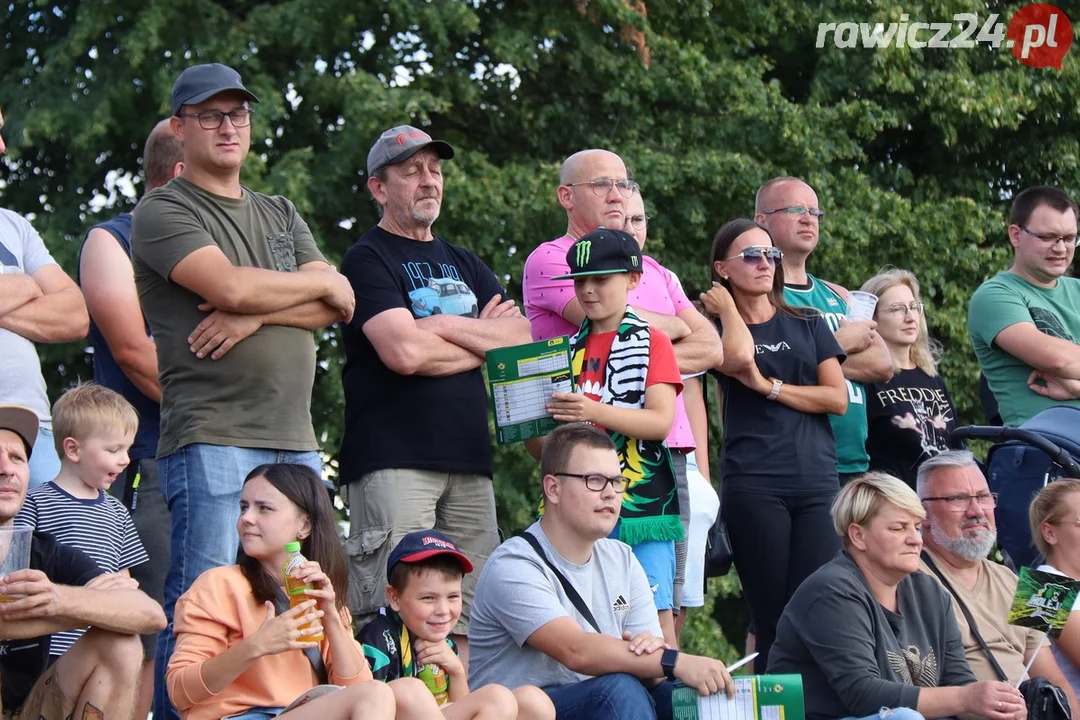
910 417
779 466
243 653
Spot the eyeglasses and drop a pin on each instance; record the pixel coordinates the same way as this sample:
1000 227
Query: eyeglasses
958 503
1050 238
213 119
639 221
902 309
597 482
602 186
796 210
753 254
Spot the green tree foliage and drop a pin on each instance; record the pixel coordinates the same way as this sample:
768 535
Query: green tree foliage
914 153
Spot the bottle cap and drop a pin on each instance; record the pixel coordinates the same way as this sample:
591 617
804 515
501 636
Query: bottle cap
292 547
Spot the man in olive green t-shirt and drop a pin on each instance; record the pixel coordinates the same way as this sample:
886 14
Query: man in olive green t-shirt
232 284
1025 322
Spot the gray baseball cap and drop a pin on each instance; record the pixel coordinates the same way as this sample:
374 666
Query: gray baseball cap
202 82
22 421
400 143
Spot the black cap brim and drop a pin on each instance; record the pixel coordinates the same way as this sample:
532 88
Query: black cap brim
571 276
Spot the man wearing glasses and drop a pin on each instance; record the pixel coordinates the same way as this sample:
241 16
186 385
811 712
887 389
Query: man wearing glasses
595 192
1025 322
788 208
958 534
570 610
231 283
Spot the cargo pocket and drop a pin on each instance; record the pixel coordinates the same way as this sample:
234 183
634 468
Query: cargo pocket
368 551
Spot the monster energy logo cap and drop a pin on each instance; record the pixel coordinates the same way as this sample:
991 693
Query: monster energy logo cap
602 252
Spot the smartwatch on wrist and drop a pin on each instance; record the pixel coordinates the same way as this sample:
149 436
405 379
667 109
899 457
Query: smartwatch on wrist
667 662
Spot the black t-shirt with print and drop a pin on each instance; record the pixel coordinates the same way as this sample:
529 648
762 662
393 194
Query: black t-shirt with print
768 446
23 661
910 418
398 421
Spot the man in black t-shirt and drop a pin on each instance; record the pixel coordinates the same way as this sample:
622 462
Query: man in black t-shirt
416 452
63 590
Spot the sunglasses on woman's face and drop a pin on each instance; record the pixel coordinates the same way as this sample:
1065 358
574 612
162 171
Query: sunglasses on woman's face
753 254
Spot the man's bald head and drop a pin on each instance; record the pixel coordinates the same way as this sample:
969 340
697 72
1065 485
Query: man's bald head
576 167
585 209
163 156
765 193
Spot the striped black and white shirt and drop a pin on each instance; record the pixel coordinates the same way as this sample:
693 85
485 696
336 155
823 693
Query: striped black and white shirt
101 528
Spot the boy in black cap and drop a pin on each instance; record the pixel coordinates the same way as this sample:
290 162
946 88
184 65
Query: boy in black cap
628 379
410 638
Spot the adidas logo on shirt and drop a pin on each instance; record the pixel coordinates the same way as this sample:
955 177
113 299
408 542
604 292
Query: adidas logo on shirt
620 605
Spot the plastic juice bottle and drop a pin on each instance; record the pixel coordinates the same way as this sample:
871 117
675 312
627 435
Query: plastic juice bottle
295 589
435 679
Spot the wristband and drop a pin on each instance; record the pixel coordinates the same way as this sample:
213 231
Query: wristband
775 392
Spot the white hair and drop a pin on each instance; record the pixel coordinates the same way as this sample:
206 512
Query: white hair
946 459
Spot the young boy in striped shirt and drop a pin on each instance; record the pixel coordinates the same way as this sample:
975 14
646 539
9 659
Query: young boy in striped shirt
94 427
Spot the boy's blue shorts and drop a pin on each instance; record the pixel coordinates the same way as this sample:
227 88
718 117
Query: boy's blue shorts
658 559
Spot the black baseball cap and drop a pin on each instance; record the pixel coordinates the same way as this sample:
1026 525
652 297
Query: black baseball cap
602 252
422 544
202 82
400 143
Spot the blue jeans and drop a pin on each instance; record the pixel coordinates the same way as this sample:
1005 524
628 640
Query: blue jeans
612 697
900 713
201 485
44 462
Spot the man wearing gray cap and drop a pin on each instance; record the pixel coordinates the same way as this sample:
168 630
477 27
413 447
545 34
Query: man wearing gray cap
61 588
416 452
231 283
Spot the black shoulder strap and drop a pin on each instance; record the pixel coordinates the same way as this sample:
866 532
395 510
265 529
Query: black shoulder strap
967 615
281 605
569 589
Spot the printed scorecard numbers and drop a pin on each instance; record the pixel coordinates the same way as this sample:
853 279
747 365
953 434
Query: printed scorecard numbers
758 697
522 379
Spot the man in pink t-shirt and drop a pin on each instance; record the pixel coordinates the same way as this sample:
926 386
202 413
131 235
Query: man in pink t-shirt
595 192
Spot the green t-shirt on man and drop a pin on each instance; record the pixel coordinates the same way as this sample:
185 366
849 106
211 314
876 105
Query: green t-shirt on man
259 394
1007 299
849 429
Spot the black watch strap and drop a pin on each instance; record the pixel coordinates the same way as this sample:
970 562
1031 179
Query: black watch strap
667 662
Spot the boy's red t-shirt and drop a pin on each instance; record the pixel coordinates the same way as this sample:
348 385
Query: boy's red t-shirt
663 367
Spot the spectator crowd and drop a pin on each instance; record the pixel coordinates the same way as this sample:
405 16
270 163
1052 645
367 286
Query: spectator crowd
160 497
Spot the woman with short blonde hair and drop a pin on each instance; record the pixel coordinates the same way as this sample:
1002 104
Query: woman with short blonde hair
867 631
1055 527
909 418
861 500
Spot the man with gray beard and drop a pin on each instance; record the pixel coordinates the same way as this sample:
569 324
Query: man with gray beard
958 535
416 453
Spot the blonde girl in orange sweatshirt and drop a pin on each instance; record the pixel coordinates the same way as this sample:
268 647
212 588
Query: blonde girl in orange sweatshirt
238 657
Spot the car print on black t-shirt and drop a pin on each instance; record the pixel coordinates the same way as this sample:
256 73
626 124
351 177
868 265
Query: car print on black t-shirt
444 296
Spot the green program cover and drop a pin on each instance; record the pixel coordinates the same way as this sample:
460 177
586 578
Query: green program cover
521 379
1043 601
758 697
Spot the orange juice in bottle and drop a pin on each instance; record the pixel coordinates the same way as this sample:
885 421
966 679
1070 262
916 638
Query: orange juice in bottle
295 588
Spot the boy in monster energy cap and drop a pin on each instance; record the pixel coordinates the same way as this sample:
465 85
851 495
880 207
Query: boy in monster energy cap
628 379
411 636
